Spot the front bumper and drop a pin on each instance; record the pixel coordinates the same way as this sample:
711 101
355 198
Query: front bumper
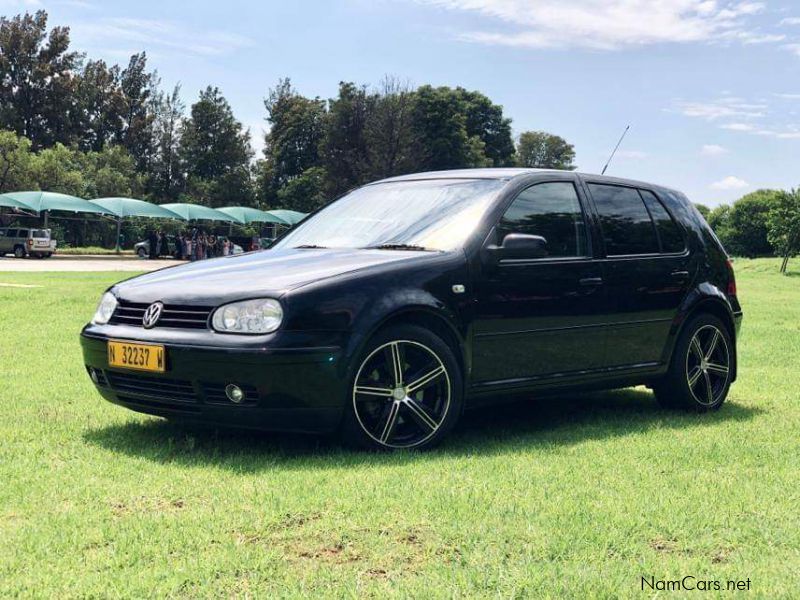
299 390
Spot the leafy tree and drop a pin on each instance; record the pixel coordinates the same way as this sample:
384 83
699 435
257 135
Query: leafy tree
388 131
344 145
216 151
305 192
167 175
15 163
101 106
110 172
37 82
745 231
485 121
440 130
542 150
140 96
783 222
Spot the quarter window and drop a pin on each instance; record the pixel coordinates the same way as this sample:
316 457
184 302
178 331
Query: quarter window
626 224
550 210
668 230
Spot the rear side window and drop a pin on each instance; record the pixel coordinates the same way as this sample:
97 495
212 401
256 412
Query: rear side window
553 211
668 230
626 224
12 233
23 233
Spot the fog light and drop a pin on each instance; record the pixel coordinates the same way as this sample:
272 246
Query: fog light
93 375
234 393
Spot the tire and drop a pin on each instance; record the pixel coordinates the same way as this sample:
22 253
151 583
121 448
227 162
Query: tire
419 413
699 375
19 252
47 255
141 253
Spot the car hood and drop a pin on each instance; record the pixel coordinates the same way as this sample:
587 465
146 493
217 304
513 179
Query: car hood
255 274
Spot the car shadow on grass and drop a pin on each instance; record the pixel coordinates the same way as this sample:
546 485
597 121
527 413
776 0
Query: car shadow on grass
529 425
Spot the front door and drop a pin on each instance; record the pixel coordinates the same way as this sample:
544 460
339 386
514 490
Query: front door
540 317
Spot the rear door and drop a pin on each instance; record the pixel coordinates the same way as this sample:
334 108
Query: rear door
647 271
541 317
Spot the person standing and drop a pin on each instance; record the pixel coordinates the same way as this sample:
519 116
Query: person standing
152 241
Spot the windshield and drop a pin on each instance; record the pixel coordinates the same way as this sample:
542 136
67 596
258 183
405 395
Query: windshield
431 215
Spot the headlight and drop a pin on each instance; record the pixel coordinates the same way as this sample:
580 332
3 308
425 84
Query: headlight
250 316
106 308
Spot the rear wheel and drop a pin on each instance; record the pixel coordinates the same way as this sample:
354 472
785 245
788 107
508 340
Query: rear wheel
699 376
19 252
141 253
406 391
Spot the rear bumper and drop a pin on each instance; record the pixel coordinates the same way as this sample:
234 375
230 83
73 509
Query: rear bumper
299 391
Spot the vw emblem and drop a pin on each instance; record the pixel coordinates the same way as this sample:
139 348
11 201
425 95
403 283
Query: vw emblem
152 315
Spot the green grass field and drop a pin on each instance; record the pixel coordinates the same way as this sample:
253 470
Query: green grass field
574 497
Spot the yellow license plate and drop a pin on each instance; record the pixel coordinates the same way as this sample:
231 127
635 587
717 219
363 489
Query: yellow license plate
140 357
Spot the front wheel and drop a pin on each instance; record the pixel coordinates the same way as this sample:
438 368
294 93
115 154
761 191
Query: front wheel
141 253
699 376
406 391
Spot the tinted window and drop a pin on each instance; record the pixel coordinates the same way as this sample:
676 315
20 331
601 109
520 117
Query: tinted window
553 211
12 233
668 230
627 227
23 233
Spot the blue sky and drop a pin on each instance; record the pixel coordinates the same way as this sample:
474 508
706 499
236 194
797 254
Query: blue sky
711 88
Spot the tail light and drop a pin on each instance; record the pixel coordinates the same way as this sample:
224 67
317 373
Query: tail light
731 278
30 242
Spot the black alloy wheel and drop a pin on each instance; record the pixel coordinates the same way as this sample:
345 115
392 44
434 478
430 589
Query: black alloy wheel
406 392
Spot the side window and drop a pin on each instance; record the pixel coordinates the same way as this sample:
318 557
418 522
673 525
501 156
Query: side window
553 211
668 230
626 224
23 233
12 233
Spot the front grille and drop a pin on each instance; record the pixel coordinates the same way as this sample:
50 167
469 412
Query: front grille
215 394
157 388
177 316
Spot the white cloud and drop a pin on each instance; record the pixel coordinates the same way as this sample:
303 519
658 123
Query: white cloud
608 24
713 150
788 96
725 107
729 183
791 21
148 34
738 127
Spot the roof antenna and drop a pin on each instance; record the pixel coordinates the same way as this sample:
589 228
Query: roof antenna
615 149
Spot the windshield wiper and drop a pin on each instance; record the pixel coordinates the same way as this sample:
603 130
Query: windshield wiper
303 246
399 247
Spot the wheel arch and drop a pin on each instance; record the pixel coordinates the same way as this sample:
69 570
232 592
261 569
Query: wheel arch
714 305
423 316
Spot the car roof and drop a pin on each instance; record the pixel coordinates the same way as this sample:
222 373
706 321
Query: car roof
505 173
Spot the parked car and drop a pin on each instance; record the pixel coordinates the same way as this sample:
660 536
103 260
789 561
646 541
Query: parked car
23 242
394 308
142 249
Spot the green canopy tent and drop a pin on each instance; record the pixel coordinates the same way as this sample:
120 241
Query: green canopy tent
290 217
46 201
8 202
123 208
248 215
196 212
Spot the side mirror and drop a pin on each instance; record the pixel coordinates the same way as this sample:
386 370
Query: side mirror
523 245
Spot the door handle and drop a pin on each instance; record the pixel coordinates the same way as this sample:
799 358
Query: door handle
591 281
680 274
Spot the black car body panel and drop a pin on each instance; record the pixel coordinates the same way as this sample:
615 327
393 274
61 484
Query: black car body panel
517 326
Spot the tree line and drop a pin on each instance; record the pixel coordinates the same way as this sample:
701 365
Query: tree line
762 223
78 125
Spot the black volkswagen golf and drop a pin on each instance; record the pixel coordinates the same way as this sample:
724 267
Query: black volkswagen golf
387 313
